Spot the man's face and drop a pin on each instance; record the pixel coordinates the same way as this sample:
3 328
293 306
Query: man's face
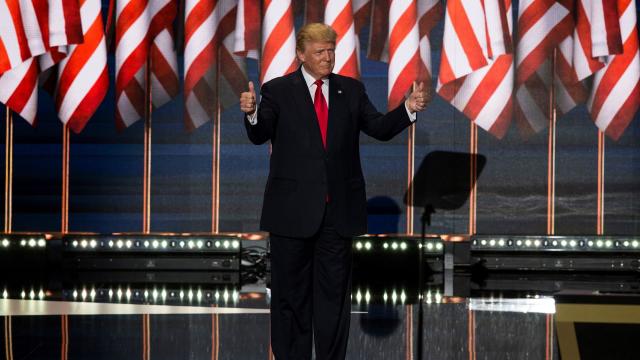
318 58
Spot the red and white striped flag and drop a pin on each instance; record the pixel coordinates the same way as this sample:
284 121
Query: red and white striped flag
31 27
542 26
212 72
247 32
404 50
476 69
615 95
138 25
83 79
47 27
278 40
339 15
402 39
165 84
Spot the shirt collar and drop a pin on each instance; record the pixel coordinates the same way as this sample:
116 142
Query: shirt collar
310 80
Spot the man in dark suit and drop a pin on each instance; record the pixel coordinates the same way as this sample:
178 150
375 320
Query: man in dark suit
314 201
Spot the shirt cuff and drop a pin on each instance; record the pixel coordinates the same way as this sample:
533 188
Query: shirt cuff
412 116
253 118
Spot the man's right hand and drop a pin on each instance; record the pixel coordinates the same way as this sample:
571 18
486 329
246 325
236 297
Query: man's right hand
248 100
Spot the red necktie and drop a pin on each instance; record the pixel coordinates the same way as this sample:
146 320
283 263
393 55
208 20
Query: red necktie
322 112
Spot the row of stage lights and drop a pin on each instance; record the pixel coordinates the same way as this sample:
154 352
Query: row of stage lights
555 244
155 295
392 297
127 295
24 295
32 243
92 244
367 245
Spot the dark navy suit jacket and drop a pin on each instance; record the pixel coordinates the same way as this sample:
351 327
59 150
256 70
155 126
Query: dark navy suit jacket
303 174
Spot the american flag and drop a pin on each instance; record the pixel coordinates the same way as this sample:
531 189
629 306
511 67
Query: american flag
402 39
138 23
615 95
34 39
212 71
542 26
339 15
278 40
83 79
476 69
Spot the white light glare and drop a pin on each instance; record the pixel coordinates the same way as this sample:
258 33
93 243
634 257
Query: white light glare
42 243
358 245
84 244
5 294
235 244
32 243
93 244
5 243
403 246
367 245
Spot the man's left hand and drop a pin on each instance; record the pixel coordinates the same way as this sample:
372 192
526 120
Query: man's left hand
420 96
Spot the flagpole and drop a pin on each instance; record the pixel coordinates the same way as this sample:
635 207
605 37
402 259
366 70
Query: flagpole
215 154
64 228
473 169
146 187
8 171
600 193
551 153
410 172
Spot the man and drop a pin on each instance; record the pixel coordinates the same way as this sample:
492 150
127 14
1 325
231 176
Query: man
314 201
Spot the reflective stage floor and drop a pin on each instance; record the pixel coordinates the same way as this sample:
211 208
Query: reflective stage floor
503 316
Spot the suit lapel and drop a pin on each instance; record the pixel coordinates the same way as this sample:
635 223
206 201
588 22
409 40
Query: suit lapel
304 104
338 110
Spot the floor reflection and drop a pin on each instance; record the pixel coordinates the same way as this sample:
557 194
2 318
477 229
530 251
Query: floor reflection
188 316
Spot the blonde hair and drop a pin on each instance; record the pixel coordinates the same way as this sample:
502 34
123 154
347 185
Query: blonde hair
315 32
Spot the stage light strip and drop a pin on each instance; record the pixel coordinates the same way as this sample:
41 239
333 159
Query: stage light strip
152 245
537 243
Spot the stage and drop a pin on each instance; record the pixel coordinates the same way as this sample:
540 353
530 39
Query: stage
459 298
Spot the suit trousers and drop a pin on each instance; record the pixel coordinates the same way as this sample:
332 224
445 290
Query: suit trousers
311 294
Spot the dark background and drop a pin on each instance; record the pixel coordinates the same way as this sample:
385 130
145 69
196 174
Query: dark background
106 170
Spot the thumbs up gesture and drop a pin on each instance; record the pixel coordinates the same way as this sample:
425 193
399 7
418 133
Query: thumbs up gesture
419 98
248 100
